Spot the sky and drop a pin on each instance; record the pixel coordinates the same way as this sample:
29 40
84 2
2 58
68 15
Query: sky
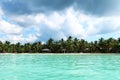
38 20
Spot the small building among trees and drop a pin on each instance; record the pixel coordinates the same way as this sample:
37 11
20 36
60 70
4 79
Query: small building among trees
46 50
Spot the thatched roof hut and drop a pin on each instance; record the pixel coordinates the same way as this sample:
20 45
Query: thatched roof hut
46 50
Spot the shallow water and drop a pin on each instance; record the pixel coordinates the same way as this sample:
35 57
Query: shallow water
59 67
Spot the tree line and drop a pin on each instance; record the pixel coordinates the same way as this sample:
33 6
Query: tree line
71 45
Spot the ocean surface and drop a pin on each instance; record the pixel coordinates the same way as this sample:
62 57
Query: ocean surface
59 67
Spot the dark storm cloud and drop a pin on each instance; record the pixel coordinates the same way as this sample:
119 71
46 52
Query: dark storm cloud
15 7
94 7
52 4
31 6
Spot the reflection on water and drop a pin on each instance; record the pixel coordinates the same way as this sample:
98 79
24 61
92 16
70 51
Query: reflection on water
59 67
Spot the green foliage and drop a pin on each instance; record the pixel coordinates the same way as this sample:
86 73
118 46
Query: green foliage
69 46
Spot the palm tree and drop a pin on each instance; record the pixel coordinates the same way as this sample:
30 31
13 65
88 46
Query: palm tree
96 47
110 44
102 45
83 45
27 47
36 47
116 47
76 45
13 48
50 44
6 47
63 45
69 45
18 47
1 47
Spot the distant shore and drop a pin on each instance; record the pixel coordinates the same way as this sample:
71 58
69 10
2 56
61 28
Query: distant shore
57 53
70 45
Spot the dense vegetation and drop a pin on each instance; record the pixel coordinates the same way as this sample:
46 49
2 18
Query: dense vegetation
69 46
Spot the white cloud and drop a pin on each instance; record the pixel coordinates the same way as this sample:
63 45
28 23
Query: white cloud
12 31
20 38
9 28
107 25
73 24
56 25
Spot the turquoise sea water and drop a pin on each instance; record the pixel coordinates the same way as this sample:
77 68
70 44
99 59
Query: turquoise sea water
59 67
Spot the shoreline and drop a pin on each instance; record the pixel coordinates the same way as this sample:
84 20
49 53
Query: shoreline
59 53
